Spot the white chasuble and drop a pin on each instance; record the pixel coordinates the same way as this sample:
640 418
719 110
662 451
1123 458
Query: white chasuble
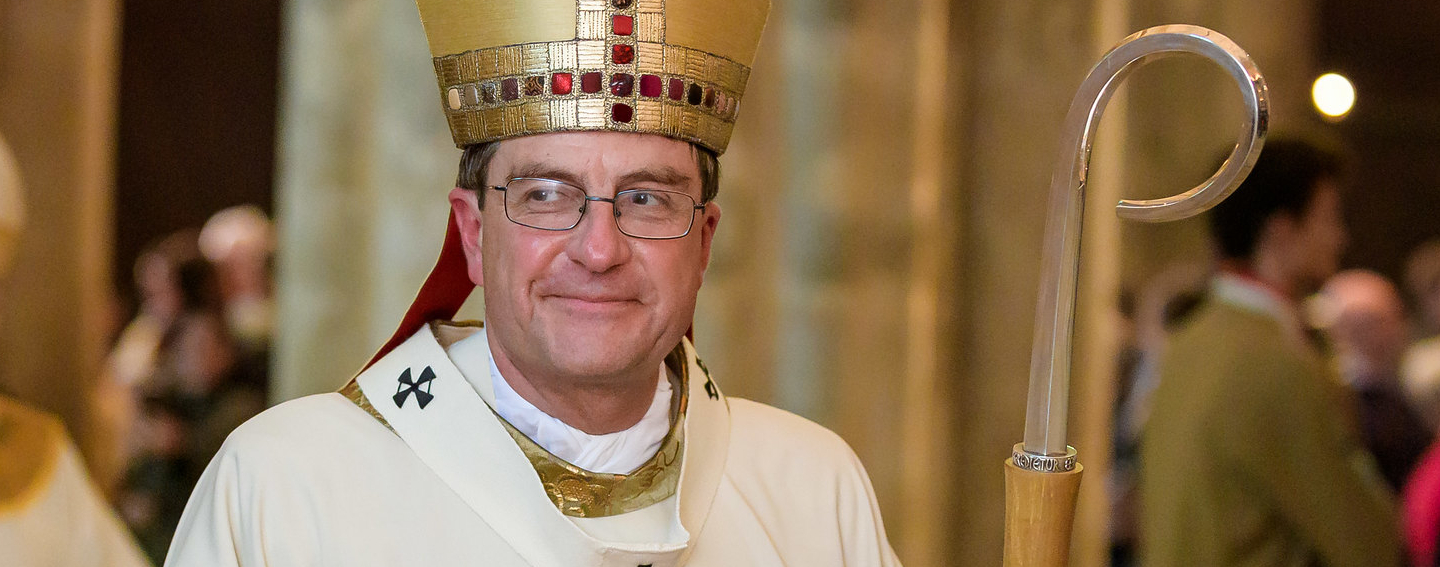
320 481
51 514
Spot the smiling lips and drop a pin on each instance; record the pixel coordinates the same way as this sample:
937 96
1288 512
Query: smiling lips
593 298
589 296
593 304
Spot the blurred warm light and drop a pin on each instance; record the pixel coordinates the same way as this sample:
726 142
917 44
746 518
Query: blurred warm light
1334 95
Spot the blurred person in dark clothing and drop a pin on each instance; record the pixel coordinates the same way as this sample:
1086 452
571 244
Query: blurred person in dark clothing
1420 370
1421 373
193 396
1163 304
239 242
1365 318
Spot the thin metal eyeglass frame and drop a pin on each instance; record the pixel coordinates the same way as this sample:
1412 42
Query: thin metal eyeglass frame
586 207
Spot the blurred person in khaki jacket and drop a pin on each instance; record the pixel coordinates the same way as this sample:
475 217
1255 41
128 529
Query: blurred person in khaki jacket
1251 455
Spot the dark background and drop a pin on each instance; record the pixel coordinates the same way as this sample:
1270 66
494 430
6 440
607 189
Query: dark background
1391 51
196 121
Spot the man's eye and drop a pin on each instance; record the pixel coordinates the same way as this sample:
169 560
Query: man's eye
646 199
542 195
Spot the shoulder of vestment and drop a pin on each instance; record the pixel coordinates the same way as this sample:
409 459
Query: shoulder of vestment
30 444
767 440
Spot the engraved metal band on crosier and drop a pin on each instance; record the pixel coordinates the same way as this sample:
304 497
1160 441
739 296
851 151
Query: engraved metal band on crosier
1044 463
617 74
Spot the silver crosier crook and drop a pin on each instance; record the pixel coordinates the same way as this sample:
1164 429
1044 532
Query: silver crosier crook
1044 448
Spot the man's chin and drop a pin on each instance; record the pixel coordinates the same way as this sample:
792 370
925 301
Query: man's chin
603 352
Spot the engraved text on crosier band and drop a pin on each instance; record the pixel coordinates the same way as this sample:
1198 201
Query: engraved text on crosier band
1044 463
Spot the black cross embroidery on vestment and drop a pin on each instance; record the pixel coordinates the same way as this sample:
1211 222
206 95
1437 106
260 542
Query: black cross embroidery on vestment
408 386
710 389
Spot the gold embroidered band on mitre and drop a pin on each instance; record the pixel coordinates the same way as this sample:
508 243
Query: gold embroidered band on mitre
676 70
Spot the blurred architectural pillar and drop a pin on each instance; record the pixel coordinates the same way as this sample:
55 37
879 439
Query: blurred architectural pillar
1024 61
889 174
365 162
57 99
827 291
889 181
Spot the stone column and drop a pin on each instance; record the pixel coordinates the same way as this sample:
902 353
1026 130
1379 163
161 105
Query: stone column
57 99
1025 60
364 166
827 291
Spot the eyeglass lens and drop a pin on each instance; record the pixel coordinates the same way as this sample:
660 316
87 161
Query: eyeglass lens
642 213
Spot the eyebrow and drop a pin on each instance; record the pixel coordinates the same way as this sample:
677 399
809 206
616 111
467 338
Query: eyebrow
544 171
663 175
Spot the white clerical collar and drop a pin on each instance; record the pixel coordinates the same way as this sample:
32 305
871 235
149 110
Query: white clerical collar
1251 295
616 453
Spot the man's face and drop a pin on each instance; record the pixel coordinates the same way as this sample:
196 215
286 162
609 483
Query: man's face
1318 239
589 303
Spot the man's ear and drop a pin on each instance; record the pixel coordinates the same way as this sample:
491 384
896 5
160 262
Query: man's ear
707 232
468 218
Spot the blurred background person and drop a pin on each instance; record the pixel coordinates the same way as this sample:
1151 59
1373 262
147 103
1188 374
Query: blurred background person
1420 370
133 359
1363 315
1163 304
51 514
1251 454
239 242
197 389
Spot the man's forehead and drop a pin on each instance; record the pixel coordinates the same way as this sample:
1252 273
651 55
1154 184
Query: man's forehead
599 156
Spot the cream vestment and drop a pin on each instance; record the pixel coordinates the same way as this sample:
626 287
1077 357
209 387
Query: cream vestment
326 480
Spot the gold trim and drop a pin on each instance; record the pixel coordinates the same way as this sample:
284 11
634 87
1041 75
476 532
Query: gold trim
579 493
352 392
574 491
474 118
30 445
583 56
473 83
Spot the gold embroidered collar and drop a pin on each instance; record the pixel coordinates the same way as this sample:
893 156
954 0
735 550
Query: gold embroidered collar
580 493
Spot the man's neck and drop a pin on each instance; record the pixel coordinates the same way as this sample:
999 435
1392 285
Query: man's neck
1267 274
595 406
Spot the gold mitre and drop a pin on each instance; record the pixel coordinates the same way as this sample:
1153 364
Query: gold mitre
511 68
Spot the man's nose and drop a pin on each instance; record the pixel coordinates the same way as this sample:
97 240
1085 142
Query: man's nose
597 243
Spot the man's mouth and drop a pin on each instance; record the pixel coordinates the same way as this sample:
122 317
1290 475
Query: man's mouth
592 303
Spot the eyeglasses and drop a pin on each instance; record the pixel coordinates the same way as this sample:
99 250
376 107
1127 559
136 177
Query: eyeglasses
546 204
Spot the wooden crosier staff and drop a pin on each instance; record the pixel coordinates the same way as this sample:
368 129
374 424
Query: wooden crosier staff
1042 477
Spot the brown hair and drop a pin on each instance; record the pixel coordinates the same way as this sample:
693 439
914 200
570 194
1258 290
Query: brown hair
475 163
